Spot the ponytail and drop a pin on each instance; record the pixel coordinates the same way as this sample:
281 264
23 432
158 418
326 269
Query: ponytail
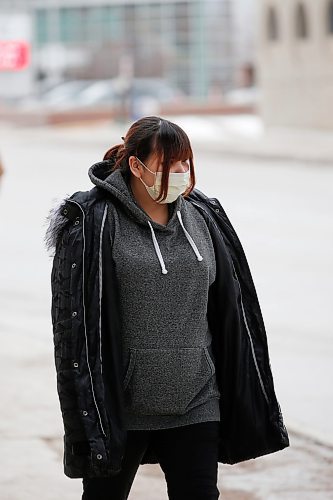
117 153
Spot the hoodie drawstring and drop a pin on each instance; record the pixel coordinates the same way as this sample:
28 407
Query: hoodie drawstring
157 249
190 240
188 236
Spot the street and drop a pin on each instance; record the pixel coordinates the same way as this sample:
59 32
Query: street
282 212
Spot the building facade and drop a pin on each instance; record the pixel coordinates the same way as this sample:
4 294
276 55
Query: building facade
190 43
244 37
295 62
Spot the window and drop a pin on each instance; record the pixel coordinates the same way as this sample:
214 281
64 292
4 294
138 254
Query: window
330 17
272 24
41 23
302 28
70 26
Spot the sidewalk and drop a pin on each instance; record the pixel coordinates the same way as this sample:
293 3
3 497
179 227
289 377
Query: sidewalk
237 135
242 135
245 135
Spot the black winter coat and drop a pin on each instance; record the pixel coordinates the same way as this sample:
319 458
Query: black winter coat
87 343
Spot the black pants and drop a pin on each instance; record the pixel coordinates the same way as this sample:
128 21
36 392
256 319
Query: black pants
186 454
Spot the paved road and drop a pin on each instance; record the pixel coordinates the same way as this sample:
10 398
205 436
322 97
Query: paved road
283 215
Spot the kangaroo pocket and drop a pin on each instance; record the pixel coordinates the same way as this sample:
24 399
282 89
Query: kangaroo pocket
167 381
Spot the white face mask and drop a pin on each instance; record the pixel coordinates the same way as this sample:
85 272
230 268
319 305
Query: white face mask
178 183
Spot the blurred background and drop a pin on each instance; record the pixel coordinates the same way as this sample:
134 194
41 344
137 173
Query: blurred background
251 82
127 58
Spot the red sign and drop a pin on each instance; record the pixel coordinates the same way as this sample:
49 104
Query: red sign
14 55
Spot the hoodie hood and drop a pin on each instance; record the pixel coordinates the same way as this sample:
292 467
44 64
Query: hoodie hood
118 185
115 183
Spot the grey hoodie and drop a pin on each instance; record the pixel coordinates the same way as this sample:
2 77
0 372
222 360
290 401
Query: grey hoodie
164 273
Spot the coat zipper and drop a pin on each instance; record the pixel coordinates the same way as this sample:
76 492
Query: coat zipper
100 271
84 315
243 310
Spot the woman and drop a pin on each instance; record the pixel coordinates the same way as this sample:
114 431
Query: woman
160 346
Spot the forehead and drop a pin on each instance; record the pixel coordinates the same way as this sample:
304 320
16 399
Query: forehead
175 155
157 162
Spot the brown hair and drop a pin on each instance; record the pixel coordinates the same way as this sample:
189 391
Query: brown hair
152 134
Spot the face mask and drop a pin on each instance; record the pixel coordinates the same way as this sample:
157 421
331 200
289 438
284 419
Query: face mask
178 183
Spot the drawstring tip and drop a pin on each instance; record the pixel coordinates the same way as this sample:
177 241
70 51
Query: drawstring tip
164 271
200 258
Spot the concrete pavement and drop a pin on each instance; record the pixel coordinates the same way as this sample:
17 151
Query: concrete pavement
238 135
245 135
282 211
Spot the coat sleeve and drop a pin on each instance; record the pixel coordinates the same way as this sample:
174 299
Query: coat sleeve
61 236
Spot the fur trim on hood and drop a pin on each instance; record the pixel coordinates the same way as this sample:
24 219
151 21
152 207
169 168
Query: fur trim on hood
55 223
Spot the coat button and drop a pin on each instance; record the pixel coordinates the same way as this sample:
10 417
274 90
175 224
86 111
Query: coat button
74 313
73 265
75 365
65 211
99 456
84 413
